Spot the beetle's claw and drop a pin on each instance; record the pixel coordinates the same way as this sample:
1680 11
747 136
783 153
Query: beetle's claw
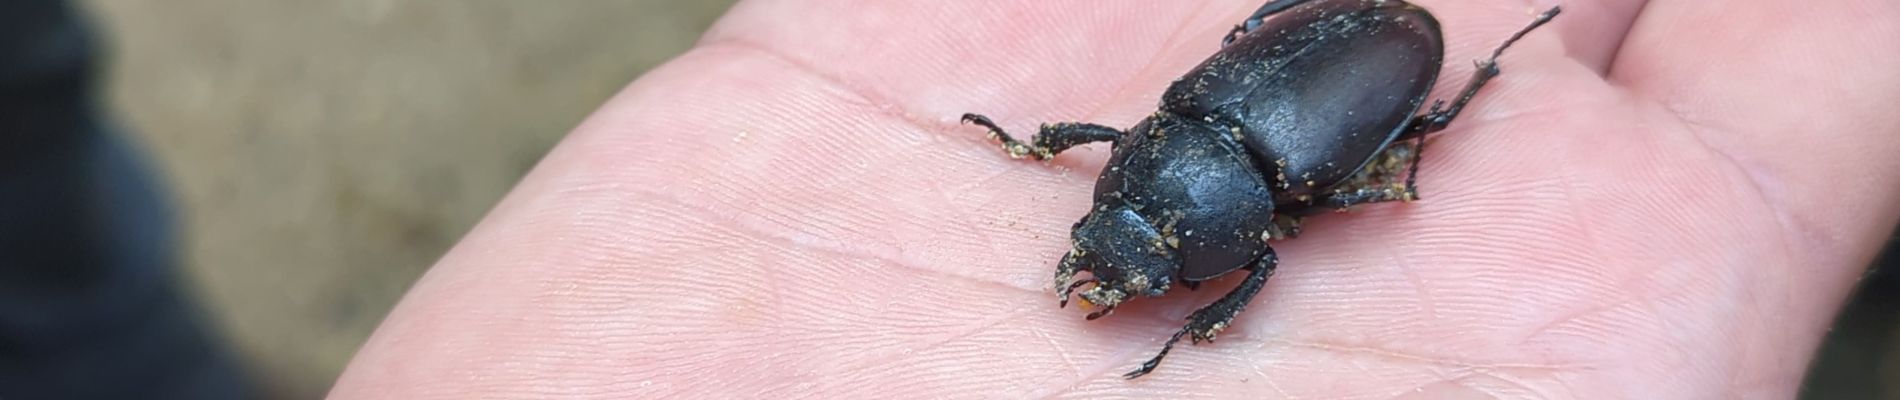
972 118
1150 365
1065 292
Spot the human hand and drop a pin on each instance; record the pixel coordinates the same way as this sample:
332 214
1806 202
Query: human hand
1661 199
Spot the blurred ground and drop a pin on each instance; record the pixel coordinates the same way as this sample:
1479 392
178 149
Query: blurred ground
326 152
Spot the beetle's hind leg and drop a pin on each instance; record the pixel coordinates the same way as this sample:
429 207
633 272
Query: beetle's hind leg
1260 15
1392 176
1052 139
1208 321
1434 120
1437 119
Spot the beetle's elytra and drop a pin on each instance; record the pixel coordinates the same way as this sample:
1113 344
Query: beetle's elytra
1317 108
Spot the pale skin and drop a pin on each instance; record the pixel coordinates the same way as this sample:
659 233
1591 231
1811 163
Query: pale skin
1657 199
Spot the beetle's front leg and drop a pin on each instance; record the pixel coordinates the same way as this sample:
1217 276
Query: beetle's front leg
1052 139
1208 321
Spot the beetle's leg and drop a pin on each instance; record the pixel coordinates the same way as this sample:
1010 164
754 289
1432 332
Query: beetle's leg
1051 140
1392 176
1284 227
1409 192
1259 17
1208 321
1437 119
1411 171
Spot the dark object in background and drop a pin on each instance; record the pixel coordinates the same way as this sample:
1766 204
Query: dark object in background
1295 119
1859 358
89 303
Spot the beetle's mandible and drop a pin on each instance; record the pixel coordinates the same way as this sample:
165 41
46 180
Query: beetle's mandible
1310 105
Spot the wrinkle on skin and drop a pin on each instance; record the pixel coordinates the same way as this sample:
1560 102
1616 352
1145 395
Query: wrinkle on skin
1575 239
1446 390
868 97
1404 357
763 235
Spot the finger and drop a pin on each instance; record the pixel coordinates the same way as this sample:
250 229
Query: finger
1799 95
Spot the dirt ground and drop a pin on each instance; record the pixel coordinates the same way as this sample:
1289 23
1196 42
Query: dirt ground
324 153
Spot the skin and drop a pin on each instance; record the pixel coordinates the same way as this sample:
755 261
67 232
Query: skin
1661 199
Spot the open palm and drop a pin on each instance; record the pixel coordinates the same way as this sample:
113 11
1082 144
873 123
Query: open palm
1661 199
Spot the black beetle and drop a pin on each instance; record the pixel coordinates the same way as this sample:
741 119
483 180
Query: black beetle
1309 111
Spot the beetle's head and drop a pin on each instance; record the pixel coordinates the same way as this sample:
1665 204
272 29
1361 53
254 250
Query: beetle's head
1123 255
